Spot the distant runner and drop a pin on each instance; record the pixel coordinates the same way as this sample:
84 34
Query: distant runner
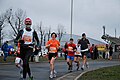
85 44
77 57
18 59
70 57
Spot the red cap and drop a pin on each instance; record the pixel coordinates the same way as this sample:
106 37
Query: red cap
28 21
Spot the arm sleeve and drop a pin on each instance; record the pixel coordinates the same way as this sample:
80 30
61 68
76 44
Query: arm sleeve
88 41
79 42
48 43
19 35
36 38
75 47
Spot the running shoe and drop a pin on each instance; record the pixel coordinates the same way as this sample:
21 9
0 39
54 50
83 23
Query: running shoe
70 68
31 78
54 75
82 68
87 66
21 74
51 74
55 71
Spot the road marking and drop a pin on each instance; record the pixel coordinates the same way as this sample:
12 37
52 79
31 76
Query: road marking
60 78
80 75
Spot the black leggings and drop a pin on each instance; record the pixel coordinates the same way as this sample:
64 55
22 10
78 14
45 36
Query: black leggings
26 54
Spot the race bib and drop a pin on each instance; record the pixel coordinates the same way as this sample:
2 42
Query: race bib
53 49
70 48
27 38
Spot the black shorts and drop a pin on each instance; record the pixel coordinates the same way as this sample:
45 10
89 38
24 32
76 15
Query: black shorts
84 53
50 55
77 56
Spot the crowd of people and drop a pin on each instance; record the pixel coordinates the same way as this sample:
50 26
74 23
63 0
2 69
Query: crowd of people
28 45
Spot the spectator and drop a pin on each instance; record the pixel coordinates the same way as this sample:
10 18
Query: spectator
111 51
95 52
92 51
65 50
5 50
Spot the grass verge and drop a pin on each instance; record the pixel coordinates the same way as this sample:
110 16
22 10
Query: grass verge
11 59
107 73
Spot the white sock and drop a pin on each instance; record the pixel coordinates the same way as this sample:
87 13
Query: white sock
20 67
51 72
55 71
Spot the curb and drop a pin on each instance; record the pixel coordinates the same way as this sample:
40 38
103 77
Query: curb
60 78
80 75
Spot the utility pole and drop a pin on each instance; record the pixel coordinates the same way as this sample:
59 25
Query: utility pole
71 17
103 30
115 32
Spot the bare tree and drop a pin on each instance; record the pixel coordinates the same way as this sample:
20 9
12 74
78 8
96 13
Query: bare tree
49 32
15 19
19 20
42 32
2 20
60 31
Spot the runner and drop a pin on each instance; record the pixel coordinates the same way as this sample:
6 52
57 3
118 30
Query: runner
77 56
29 36
85 44
53 46
70 57
18 60
107 52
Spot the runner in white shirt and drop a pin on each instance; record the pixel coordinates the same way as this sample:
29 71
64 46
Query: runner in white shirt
77 57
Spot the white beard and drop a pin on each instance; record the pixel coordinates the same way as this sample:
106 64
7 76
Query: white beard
28 26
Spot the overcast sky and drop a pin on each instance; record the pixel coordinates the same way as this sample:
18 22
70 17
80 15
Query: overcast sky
89 15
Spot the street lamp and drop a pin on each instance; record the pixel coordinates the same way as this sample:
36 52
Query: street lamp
71 17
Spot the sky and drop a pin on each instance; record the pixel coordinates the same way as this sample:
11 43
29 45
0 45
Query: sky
89 16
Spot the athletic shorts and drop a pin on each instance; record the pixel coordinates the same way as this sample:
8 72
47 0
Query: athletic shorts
77 55
18 61
84 53
71 57
50 55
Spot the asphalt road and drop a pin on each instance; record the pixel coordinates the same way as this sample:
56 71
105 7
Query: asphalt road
40 71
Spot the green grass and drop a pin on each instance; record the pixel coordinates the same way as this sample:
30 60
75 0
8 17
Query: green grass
46 59
107 73
11 59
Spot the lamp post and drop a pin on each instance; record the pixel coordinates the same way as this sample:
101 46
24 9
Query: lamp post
71 17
